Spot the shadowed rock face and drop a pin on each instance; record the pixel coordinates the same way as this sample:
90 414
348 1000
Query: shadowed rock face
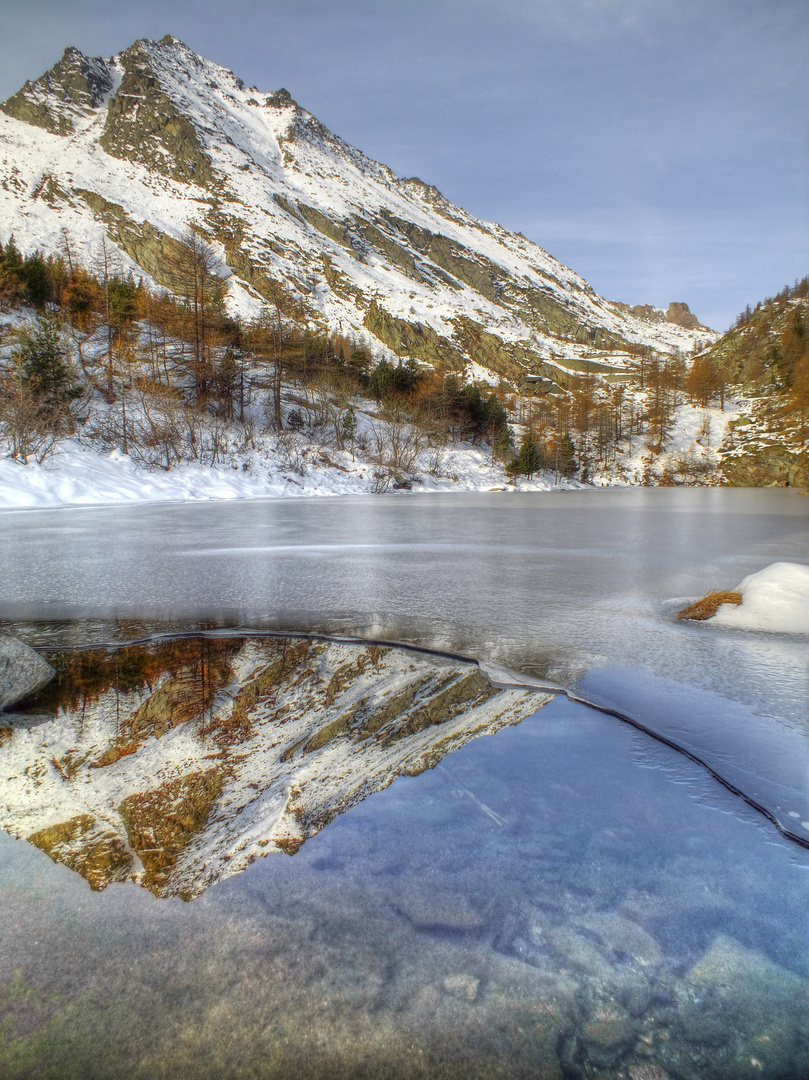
143 124
176 764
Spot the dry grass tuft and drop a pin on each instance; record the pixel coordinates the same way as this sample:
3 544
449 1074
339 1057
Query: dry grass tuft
709 605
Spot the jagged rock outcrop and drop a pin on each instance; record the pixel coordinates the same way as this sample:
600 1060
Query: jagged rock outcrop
67 94
22 671
155 139
765 466
679 314
143 124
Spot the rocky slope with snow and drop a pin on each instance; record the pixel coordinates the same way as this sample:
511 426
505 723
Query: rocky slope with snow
177 764
140 147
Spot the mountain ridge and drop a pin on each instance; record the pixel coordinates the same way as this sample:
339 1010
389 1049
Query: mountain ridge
155 140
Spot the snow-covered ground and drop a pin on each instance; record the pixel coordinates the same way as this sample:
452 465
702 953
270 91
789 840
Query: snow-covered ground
689 449
79 476
776 599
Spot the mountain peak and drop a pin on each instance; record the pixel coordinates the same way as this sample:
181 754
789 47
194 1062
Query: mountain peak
163 139
65 95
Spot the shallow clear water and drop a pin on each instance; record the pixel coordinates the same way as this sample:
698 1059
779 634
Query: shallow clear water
623 911
626 916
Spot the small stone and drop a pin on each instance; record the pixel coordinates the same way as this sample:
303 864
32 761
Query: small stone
647 1072
463 987
621 937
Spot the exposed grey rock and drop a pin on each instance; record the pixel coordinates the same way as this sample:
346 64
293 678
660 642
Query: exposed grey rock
72 89
765 466
22 671
679 314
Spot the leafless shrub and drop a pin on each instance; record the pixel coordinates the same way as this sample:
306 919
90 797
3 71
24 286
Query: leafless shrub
29 431
291 451
704 434
690 465
394 447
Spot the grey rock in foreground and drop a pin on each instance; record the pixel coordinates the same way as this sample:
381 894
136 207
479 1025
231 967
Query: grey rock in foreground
22 671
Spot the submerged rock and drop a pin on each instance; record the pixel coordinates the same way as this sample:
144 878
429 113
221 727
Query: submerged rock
463 987
439 910
22 671
748 1011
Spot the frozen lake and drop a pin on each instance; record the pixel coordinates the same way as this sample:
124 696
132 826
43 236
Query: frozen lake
625 913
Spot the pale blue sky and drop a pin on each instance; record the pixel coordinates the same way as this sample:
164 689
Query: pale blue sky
658 147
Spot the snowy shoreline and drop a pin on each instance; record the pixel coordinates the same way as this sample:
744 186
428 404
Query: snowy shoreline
77 476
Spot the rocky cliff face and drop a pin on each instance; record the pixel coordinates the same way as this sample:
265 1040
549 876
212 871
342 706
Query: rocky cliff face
157 139
179 764
765 465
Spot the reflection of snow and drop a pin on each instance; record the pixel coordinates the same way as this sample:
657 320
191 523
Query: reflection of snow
776 598
217 758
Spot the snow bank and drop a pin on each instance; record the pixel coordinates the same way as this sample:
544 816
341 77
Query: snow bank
776 598
79 476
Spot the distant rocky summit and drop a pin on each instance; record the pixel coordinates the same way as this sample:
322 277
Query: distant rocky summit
679 314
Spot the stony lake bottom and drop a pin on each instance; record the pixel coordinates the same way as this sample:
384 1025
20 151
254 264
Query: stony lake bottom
567 897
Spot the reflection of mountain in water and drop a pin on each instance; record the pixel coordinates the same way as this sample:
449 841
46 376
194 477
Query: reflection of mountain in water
179 763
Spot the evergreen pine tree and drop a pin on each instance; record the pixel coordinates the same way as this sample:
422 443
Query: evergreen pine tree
566 464
349 427
47 374
502 444
529 459
37 281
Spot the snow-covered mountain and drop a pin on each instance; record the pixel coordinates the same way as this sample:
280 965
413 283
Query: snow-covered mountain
157 139
179 764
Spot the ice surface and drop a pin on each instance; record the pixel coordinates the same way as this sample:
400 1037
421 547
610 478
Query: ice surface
553 585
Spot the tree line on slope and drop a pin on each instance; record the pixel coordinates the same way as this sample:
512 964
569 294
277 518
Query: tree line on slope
178 375
181 364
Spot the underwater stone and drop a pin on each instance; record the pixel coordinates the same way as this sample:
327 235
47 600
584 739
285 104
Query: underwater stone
620 937
733 988
647 1072
463 987
607 1035
440 911
22 671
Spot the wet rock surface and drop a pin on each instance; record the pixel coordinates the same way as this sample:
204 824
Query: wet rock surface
22 671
